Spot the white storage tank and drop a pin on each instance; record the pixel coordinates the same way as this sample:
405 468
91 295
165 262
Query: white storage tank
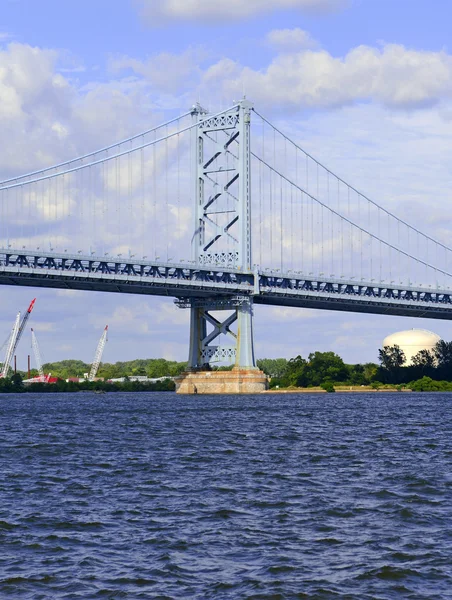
411 341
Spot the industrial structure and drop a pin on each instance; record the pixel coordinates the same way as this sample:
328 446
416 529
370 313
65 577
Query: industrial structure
412 341
41 377
13 341
14 338
98 354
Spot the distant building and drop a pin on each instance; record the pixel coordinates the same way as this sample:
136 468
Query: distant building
141 378
39 380
412 341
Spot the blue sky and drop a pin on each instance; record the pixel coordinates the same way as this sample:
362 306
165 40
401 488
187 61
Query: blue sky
93 30
358 80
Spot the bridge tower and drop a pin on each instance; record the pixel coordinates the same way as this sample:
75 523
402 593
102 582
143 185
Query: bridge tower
222 238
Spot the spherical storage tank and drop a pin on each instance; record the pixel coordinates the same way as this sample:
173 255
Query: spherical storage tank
412 341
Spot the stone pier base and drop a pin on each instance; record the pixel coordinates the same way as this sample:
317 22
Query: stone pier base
237 381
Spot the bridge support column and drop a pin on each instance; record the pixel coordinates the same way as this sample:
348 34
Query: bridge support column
221 345
222 238
245 344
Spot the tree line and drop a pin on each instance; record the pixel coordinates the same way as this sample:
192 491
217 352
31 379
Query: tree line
149 367
15 384
435 364
430 369
318 369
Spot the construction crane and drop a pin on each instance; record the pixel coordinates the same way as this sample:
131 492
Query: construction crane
15 336
34 344
98 355
10 347
24 322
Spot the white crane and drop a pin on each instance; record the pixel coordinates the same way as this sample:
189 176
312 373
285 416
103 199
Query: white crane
98 355
34 344
11 345
15 336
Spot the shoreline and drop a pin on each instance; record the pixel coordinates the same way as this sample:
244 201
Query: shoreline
337 390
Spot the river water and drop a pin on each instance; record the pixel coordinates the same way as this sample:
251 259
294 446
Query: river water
266 497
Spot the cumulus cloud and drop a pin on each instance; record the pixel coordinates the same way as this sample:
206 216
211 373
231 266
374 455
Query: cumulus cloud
291 39
301 76
48 118
29 85
233 10
393 75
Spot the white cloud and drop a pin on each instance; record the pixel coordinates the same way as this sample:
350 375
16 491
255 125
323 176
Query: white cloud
298 77
29 85
393 76
48 118
234 10
291 39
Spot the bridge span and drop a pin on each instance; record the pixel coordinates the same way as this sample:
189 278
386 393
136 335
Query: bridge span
222 212
184 282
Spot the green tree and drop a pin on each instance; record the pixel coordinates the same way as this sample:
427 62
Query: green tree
427 384
328 387
392 359
273 367
296 372
424 359
443 354
370 372
423 363
16 380
325 366
356 374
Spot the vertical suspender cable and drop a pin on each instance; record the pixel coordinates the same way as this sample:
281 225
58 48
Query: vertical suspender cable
261 168
130 215
281 223
320 218
352 237
178 184
118 206
166 194
271 210
154 181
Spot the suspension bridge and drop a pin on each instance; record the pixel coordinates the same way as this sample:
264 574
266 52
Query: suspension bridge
221 212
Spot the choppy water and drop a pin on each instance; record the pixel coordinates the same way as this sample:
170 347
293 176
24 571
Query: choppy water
290 496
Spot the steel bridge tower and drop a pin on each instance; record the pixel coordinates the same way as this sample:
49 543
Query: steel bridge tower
222 234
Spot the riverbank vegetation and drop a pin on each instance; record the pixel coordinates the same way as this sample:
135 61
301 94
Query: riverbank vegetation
15 384
151 367
428 371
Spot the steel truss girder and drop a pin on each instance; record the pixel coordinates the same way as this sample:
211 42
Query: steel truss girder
52 270
218 303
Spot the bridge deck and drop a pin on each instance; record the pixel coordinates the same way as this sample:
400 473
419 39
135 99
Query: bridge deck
78 272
